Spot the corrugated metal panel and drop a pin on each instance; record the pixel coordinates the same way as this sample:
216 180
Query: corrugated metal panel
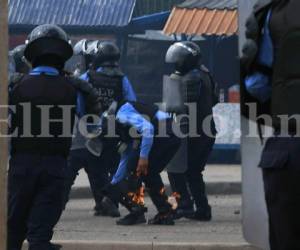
210 4
92 13
146 7
202 22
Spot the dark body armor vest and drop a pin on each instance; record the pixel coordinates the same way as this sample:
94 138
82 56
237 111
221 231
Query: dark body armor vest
285 31
38 91
200 91
109 83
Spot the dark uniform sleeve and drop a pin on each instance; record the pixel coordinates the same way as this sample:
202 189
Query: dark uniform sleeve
214 85
91 95
248 64
14 79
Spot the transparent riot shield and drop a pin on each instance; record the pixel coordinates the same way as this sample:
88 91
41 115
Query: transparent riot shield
173 103
255 218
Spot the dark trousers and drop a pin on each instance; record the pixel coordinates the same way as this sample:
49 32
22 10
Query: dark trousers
282 192
35 199
163 150
191 182
97 169
280 163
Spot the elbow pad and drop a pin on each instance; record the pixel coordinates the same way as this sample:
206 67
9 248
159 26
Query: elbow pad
91 95
250 51
252 27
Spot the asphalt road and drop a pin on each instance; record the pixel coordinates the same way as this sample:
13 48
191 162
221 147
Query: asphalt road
78 223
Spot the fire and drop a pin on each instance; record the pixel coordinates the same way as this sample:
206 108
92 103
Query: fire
162 191
138 197
174 199
176 195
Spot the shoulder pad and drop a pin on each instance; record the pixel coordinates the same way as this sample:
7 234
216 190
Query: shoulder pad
175 76
91 94
252 27
204 69
113 72
15 78
249 52
261 4
74 79
193 75
77 82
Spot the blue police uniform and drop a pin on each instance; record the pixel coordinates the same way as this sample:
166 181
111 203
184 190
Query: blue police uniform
37 165
158 150
97 168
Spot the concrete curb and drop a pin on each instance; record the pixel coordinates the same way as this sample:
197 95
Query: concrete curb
217 188
94 245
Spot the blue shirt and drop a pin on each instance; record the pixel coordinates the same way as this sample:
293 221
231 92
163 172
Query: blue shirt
128 115
128 91
50 71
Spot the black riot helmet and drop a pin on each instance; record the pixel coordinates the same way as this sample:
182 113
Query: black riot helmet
81 47
185 55
83 56
17 54
107 54
48 41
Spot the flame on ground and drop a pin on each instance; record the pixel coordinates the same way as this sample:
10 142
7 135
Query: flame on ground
138 197
174 199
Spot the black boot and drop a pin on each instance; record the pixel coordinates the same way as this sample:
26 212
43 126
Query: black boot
198 190
164 219
132 219
56 247
44 246
165 214
202 214
99 211
179 186
136 215
185 209
108 208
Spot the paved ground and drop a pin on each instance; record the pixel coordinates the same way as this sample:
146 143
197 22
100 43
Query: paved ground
78 229
78 223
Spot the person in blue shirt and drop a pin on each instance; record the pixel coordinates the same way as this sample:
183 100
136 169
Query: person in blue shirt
38 158
145 157
101 60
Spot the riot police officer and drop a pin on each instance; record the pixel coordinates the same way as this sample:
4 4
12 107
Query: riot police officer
271 79
105 74
41 128
199 88
101 60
